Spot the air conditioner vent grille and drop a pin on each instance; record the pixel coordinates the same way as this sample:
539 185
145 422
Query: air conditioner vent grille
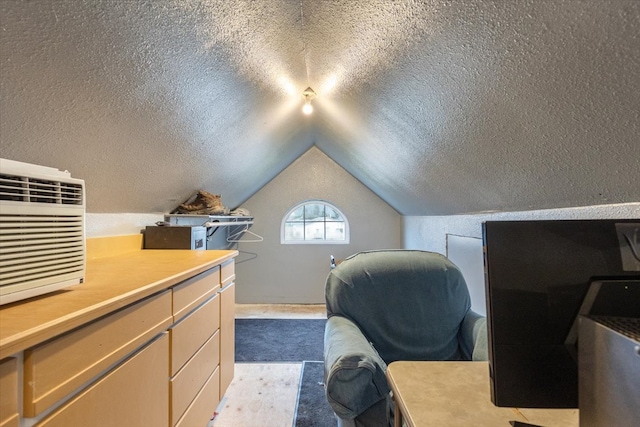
42 230
40 246
33 190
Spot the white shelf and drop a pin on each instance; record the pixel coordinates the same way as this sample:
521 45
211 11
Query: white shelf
208 220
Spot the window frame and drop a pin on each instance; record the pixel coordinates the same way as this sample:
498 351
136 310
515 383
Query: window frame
315 241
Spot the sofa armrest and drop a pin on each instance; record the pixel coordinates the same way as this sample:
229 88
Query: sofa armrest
473 336
354 372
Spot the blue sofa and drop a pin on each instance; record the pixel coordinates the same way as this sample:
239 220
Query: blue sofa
390 305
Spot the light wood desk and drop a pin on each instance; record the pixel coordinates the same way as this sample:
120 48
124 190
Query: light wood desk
457 394
149 333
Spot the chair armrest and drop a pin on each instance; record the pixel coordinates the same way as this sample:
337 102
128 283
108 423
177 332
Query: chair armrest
354 372
473 336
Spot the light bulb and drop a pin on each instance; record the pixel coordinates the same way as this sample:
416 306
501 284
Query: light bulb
308 94
307 108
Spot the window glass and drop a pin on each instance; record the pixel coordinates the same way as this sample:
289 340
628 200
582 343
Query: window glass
315 221
294 231
297 215
332 215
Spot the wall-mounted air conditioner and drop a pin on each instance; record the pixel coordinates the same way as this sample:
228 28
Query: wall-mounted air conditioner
42 231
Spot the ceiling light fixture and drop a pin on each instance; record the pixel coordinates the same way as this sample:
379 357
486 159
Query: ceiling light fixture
308 94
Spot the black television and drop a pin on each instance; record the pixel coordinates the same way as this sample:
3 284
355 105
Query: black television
537 275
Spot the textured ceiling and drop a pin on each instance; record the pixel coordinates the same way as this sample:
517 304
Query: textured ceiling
439 107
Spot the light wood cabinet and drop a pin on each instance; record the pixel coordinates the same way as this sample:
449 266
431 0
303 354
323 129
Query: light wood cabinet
227 335
200 408
56 368
9 415
192 292
195 355
144 341
190 333
118 400
186 384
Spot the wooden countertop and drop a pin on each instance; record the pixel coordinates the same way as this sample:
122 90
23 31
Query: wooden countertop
458 394
111 282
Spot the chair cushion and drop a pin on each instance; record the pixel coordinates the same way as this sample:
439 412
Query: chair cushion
408 303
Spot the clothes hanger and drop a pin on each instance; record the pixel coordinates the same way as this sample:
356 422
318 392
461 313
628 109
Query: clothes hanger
236 237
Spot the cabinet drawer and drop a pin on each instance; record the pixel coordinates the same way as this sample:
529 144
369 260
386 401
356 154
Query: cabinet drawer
227 272
9 392
56 368
136 393
193 292
227 336
204 405
190 379
188 335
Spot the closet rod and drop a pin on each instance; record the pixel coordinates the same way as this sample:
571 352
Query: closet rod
227 223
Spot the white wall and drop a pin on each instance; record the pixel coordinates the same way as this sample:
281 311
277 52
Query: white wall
466 253
295 274
430 233
270 272
114 224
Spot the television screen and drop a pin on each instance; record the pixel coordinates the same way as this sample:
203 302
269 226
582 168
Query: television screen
537 275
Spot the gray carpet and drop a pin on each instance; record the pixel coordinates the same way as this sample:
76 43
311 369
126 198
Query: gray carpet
312 408
279 340
291 340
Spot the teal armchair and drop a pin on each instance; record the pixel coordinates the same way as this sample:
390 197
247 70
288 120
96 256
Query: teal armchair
390 305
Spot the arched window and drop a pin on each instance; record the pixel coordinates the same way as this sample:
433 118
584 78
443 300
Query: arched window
312 222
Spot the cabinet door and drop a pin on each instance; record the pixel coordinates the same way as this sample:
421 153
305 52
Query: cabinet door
227 335
135 393
9 393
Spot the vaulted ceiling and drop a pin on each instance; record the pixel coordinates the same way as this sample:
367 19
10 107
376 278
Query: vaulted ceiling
439 107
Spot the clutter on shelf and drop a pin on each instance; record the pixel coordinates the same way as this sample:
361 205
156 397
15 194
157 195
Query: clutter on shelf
240 212
202 203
